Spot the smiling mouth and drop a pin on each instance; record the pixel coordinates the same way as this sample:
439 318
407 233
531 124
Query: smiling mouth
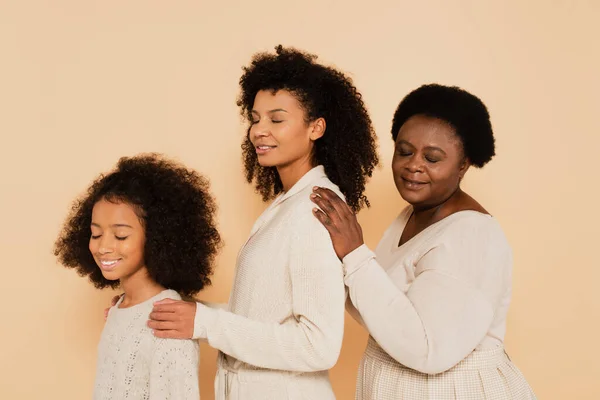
410 184
109 265
414 182
264 149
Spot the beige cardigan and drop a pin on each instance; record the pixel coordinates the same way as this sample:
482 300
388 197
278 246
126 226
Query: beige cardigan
284 325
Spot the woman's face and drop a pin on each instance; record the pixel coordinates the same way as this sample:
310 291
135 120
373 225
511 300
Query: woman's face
117 240
428 162
280 133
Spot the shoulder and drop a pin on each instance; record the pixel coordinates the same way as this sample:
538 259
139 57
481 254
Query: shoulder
306 232
473 246
472 228
167 294
303 205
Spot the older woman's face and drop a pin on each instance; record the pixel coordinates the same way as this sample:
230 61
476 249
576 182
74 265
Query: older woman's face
428 161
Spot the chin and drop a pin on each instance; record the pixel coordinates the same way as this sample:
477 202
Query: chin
264 162
411 197
110 275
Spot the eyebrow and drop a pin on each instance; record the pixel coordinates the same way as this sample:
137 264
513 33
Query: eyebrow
271 111
426 147
114 225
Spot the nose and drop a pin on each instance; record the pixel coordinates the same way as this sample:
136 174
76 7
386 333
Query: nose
106 246
414 164
259 130
104 250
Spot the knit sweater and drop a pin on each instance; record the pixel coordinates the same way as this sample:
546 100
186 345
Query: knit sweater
133 364
284 325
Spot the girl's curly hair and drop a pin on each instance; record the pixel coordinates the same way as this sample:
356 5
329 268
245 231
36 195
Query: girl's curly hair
348 150
177 212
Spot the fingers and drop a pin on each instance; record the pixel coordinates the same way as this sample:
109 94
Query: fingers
326 207
325 220
170 334
164 316
166 301
334 201
163 325
114 300
171 306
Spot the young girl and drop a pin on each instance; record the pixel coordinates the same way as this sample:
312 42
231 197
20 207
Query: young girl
283 327
147 227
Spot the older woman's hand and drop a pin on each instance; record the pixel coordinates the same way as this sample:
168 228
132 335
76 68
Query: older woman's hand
339 219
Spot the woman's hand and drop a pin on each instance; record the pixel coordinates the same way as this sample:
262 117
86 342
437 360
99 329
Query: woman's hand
113 303
173 319
339 220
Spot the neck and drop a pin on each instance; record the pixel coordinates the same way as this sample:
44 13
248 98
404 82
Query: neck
429 214
291 173
138 288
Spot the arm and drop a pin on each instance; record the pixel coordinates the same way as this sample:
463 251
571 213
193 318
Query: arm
174 370
174 319
311 341
432 327
354 312
448 308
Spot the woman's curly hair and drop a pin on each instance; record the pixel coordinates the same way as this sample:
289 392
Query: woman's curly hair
348 150
176 210
463 111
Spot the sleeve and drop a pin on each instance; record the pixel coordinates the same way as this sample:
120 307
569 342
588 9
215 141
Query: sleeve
174 370
445 313
354 312
312 339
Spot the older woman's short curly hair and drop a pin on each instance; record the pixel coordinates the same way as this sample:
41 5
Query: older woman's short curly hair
463 111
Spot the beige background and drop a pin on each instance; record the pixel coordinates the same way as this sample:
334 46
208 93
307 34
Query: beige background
85 82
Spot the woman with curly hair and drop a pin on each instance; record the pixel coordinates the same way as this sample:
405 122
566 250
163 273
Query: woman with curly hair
147 227
283 327
435 293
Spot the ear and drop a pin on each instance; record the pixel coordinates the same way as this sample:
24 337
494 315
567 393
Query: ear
464 167
317 129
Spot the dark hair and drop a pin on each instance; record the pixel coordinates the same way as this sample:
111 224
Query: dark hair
176 211
464 112
348 150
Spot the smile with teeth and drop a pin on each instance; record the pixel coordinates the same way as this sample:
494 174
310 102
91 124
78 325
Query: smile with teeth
262 149
108 264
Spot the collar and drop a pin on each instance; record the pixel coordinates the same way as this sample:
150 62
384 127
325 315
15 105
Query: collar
311 176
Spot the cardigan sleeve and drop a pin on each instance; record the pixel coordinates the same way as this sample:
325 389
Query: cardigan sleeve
448 308
312 339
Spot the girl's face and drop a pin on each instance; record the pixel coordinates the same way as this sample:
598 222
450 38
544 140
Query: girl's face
117 240
279 132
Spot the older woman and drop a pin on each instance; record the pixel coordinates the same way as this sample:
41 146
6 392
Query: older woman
435 293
